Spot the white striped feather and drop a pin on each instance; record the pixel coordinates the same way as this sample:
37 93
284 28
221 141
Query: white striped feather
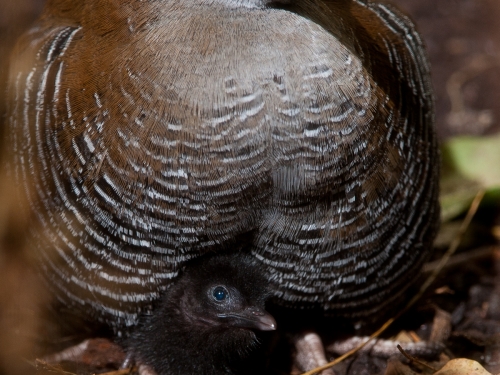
199 130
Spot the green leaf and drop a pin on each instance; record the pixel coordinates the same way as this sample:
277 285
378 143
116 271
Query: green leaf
476 158
469 164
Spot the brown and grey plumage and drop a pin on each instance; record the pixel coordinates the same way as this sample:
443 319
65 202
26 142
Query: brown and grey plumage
146 134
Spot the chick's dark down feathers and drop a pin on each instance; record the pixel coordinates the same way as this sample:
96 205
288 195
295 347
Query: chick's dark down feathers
206 320
146 134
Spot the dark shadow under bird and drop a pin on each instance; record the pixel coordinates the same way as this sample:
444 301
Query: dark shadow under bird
205 321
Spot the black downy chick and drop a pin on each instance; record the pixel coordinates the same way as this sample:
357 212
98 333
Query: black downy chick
205 321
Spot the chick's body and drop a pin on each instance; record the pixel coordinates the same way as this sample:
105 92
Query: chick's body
205 321
146 134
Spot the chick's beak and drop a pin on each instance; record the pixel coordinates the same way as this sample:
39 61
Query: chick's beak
252 318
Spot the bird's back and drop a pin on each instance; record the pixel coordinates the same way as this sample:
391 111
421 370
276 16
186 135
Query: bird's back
152 134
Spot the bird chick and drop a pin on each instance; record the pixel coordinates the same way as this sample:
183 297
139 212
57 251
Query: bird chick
205 321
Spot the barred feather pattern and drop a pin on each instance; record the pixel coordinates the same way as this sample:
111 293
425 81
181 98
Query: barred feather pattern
161 131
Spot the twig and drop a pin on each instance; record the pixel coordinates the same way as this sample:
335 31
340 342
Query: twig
413 359
453 247
50 367
124 371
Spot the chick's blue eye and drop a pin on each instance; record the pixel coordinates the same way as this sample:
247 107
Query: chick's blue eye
220 293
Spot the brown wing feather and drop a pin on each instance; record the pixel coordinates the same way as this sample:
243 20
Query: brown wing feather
157 134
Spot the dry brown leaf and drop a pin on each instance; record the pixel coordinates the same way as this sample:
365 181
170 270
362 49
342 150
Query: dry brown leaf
462 366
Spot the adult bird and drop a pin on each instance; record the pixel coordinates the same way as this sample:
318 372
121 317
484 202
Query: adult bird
146 134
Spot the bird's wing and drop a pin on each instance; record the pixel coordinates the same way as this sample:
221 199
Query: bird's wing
130 162
358 215
93 263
